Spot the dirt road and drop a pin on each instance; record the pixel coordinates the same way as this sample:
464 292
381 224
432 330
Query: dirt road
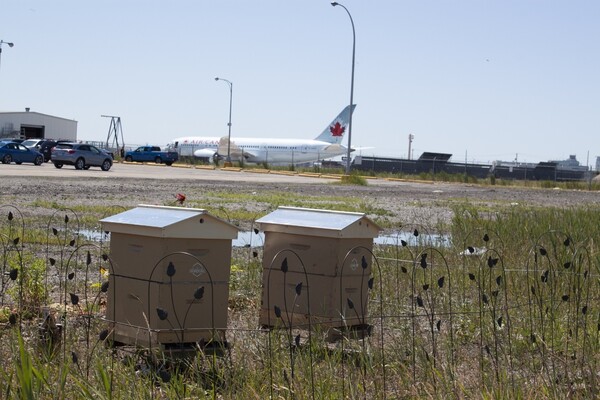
129 185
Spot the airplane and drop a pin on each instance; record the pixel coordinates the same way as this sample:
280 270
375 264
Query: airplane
269 150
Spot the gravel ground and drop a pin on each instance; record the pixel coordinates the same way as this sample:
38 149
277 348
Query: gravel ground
405 202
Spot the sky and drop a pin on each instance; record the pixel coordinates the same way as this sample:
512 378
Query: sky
483 80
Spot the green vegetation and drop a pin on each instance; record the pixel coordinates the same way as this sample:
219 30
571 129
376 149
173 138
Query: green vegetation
507 307
439 176
354 179
233 205
521 226
30 285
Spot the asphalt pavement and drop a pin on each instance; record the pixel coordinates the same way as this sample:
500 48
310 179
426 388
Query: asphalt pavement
161 171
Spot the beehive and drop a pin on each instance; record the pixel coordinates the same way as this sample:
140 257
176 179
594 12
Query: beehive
169 280
327 260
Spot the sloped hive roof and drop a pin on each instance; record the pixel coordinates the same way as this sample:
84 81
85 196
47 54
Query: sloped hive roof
169 222
315 222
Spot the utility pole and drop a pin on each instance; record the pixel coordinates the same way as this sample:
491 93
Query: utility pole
410 139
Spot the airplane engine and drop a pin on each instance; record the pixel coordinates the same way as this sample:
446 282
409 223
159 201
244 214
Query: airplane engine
205 153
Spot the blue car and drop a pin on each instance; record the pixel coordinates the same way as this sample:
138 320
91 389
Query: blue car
17 153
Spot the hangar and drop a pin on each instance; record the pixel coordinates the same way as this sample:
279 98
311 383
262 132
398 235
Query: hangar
34 125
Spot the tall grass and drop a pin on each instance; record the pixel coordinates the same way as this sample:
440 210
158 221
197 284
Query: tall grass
519 320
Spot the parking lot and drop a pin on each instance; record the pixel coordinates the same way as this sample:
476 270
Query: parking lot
142 171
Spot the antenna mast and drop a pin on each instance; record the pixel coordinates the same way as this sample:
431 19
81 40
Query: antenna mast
114 130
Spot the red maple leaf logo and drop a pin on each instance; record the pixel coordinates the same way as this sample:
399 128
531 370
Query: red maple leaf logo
337 129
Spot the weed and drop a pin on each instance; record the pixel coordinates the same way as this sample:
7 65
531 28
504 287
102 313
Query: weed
506 309
354 180
31 291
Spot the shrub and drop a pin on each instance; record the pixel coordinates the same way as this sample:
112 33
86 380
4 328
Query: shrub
31 288
354 180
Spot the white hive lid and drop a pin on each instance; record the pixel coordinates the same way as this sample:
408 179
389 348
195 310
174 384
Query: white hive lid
169 222
315 222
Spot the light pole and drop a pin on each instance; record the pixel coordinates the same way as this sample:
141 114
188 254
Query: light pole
10 44
334 3
229 123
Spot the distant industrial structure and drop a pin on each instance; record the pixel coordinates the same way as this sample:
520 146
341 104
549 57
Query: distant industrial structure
570 163
428 162
33 125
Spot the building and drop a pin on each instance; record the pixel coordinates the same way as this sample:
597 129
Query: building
33 125
434 163
571 164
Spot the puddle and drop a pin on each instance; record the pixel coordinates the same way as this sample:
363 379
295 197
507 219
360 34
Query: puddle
412 240
96 236
244 239
253 239
249 239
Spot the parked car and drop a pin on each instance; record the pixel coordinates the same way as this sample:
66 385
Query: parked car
8 139
17 153
44 146
31 142
152 154
81 155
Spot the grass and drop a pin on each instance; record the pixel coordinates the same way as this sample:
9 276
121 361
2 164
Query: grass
442 177
520 321
234 206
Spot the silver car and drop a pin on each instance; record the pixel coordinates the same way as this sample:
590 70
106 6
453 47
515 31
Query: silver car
81 155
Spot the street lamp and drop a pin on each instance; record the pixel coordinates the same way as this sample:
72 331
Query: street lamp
334 3
229 123
10 44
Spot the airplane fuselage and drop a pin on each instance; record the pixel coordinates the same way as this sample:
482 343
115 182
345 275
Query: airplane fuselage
261 150
187 146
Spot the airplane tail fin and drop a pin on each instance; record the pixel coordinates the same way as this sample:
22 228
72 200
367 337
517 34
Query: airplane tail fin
334 133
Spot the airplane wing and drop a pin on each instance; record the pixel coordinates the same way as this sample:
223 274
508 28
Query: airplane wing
334 148
225 147
234 150
339 149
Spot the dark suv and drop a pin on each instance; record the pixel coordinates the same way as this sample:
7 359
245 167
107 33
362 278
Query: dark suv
44 146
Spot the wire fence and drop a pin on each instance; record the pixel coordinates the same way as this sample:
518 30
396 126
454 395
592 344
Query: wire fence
465 318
